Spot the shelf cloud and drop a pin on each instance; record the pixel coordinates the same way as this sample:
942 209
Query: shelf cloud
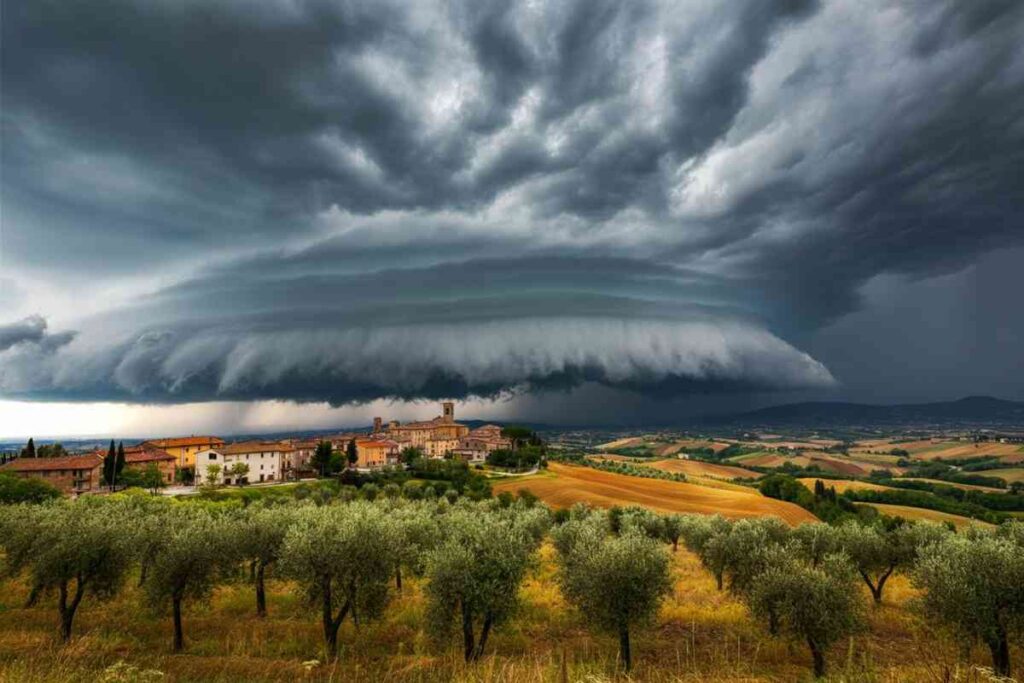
344 201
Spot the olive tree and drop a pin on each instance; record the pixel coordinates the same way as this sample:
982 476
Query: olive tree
473 575
616 582
416 532
976 587
815 541
19 525
814 604
706 536
672 527
260 534
878 553
343 557
188 562
79 550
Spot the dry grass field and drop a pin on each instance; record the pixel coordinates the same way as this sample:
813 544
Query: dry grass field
842 485
912 513
965 487
701 634
771 460
565 485
1009 474
936 449
696 468
628 442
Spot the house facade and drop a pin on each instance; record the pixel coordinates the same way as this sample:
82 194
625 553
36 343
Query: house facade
143 455
480 441
72 474
376 453
263 458
185 448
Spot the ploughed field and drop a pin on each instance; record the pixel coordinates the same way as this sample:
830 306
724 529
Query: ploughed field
565 485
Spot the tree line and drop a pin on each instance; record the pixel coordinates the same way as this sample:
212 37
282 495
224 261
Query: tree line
348 561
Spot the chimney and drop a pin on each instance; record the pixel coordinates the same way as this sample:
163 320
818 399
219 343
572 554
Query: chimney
377 425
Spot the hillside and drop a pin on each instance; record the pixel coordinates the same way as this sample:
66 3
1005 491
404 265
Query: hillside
972 410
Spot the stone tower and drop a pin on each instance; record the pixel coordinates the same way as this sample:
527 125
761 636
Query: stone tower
449 411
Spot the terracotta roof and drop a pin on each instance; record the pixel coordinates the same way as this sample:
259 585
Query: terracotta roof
145 453
179 441
371 443
429 424
68 462
249 447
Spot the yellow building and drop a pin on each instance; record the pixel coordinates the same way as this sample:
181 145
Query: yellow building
184 448
374 453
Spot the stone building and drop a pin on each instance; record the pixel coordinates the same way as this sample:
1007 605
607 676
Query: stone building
143 455
72 474
437 438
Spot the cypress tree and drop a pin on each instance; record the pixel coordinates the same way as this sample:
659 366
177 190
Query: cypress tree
30 449
109 464
353 456
119 466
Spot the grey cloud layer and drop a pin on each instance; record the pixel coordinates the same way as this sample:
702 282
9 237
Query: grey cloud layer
362 183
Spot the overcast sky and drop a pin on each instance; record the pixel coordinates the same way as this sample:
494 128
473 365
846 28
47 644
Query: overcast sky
221 214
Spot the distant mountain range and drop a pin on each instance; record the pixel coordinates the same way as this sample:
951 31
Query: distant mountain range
969 411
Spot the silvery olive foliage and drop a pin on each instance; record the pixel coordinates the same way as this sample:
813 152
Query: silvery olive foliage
473 575
616 582
816 605
343 557
974 584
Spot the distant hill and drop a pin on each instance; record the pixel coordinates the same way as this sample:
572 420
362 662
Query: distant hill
972 410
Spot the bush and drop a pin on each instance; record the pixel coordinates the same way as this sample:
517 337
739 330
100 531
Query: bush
15 489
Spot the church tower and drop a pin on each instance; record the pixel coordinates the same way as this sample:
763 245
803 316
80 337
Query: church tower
449 411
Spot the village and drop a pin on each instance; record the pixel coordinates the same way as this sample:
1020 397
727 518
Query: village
188 461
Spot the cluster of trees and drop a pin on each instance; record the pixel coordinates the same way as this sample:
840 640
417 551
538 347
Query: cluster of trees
523 458
348 560
50 450
628 469
801 581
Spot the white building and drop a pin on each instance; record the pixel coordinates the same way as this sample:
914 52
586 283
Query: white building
264 460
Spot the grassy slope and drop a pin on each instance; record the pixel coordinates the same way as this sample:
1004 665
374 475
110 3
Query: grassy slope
841 485
700 635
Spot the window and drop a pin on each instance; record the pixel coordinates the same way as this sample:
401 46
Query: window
213 456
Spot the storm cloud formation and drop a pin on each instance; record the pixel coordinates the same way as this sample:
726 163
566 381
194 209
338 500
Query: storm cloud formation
344 201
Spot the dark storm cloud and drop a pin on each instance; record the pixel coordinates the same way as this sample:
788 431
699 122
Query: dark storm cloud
375 199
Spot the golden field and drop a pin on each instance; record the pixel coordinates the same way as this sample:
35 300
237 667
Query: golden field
565 485
841 485
701 634
698 468
914 514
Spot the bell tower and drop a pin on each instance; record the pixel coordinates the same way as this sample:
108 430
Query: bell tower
448 414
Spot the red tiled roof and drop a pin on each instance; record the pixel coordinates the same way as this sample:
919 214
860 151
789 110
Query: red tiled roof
179 441
68 462
250 447
145 453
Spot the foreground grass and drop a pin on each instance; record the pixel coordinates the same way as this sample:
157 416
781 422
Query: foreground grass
701 635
